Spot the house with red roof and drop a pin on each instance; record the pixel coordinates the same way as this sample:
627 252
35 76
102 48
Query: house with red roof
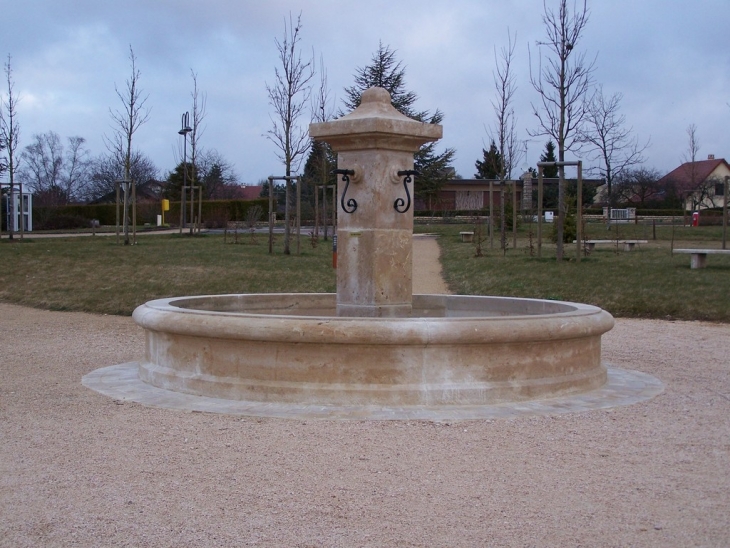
699 184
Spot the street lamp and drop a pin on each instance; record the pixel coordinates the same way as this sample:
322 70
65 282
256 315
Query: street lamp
185 129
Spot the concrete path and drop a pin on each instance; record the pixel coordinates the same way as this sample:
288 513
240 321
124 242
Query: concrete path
427 275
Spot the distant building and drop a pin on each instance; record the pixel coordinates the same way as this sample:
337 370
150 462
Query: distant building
474 194
149 191
698 184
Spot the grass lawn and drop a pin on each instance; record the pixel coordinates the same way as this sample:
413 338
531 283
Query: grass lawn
648 282
94 274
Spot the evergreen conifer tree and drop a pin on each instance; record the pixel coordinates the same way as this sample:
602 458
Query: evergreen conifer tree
490 166
387 72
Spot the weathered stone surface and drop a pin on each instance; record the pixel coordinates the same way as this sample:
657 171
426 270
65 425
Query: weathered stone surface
292 348
373 343
374 254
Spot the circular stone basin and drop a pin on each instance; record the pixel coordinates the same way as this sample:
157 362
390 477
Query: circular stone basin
292 348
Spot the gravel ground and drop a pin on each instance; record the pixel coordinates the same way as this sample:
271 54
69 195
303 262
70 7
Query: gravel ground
80 469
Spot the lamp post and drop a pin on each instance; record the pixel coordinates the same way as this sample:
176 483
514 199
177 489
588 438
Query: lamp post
184 130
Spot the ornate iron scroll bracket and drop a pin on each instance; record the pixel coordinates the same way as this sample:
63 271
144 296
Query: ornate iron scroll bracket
351 205
401 205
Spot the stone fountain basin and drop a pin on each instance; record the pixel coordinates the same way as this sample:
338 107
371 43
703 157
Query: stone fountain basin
292 348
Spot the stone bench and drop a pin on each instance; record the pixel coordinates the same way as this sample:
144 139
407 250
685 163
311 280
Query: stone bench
467 236
698 257
628 244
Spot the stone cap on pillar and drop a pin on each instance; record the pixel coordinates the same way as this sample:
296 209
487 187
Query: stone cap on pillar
375 124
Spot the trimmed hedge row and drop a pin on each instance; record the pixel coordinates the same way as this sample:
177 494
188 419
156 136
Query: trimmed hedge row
216 212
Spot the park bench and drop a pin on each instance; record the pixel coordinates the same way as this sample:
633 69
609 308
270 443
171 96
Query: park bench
467 236
628 244
698 257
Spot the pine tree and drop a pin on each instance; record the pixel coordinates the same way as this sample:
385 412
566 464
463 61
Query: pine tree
549 156
387 72
490 166
175 178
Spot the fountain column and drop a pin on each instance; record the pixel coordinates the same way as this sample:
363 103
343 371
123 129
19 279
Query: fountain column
375 145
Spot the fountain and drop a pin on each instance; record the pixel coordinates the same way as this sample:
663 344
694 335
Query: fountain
374 343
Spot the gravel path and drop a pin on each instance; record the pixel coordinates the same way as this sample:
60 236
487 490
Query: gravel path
80 469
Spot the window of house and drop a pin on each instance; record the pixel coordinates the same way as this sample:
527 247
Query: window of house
719 189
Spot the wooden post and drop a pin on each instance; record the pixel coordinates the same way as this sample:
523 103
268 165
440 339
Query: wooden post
724 214
134 213
539 211
192 206
271 216
299 212
30 211
183 190
200 208
514 214
579 211
116 188
491 215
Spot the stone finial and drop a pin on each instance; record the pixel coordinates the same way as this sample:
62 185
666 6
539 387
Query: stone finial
375 124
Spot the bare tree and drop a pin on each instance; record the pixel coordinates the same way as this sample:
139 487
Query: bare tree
106 169
562 84
56 175
76 168
217 175
322 111
199 103
125 123
698 190
638 186
43 163
289 96
504 131
690 157
611 141
10 132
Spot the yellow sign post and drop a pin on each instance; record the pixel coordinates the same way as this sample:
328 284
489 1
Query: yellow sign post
165 207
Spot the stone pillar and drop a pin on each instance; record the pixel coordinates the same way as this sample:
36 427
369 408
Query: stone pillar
374 239
527 191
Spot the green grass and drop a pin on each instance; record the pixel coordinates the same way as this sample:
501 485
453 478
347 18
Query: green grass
94 274
97 275
648 282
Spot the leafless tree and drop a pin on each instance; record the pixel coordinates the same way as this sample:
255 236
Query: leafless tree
56 175
699 191
289 95
611 142
217 175
76 168
693 144
504 130
10 131
125 123
638 186
199 112
322 111
562 84
43 163
690 157
106 169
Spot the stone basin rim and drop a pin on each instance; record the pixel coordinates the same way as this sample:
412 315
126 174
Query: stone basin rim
573 321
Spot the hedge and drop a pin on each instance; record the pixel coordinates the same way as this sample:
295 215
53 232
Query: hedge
214 212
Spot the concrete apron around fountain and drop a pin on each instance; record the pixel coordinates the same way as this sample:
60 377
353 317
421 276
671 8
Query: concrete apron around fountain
373 343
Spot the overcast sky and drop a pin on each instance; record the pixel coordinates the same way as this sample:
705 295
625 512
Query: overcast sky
669 58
